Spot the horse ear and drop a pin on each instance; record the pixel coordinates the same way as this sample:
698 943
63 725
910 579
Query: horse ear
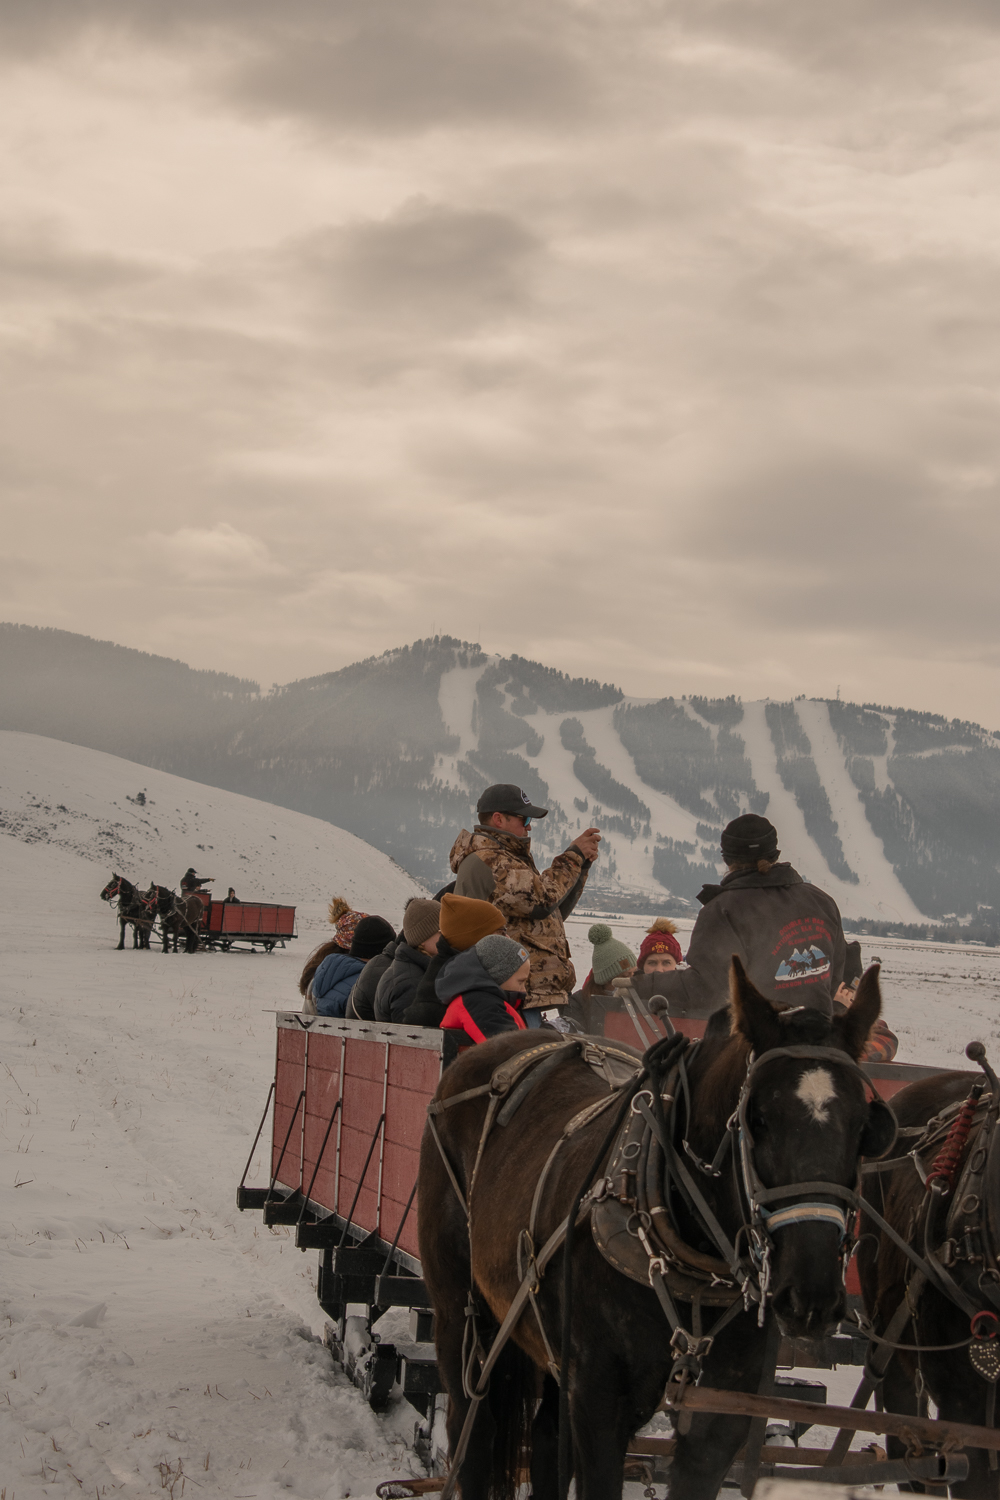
753 1015
864 1011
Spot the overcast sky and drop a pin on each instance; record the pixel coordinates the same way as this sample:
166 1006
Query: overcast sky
657 342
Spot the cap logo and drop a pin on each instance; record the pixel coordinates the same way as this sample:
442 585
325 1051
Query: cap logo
525 798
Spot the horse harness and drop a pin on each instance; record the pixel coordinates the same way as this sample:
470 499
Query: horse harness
140 898
631 1217
958 1223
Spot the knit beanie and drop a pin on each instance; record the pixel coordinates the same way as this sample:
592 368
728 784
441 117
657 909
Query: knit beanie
370 936
660 939
608 954
749 838
464 921
421 920
500 956
346 926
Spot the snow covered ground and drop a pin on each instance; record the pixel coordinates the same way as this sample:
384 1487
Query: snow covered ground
153 1341
147 1329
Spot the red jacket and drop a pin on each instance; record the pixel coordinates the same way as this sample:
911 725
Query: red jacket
475 1003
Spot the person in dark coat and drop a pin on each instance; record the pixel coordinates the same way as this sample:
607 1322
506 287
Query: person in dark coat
787 932
361 1003
192 882
483 989
464 920
334 979
398 985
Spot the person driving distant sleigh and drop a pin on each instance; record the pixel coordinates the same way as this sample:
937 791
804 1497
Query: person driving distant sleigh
494 863
787 932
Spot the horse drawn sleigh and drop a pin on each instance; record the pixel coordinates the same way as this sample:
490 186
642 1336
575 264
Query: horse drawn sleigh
195 920
672 1218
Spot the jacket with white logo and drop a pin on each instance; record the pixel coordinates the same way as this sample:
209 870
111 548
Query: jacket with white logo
788 934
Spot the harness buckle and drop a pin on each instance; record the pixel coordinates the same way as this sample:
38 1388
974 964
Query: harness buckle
686 1346
601 1189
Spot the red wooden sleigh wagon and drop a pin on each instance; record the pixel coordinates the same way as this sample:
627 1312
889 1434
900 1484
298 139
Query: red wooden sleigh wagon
246 924
349 1105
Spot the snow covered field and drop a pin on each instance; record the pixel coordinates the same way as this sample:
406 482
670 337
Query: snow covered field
153 1341
147 1328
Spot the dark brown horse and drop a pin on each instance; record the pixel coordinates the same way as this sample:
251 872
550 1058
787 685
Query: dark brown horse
809 1120
968 1256
134 909
180 916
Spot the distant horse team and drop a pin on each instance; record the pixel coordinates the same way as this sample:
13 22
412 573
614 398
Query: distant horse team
180 916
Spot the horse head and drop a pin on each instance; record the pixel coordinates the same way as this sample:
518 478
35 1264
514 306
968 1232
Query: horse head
112 888
806 1117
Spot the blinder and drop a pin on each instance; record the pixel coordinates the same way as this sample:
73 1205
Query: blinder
879 1134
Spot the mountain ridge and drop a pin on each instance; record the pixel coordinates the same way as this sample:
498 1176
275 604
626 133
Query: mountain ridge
895 812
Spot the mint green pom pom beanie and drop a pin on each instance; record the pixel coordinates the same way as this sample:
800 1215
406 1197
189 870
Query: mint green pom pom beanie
608 954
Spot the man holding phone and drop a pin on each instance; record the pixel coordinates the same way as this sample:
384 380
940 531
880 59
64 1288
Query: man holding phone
494 863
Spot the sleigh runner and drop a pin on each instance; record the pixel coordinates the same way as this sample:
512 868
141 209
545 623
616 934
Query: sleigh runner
349 1104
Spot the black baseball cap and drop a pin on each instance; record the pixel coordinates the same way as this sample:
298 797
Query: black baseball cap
506 798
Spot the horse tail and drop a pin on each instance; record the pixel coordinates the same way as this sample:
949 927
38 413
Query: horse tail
512 1399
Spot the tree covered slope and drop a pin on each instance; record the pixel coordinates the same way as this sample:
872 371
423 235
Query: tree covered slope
896 812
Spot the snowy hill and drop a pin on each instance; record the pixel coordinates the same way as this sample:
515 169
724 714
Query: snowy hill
149 1333
83 803
896 813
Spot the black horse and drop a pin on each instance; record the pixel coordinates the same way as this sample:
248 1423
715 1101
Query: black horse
134 909
178 915
805 1118
949 1347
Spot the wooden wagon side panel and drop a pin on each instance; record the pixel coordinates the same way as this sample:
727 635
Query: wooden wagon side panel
413 1077
321 1136
364 1101
289 1081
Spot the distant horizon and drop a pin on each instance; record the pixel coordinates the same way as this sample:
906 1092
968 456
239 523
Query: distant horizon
264 690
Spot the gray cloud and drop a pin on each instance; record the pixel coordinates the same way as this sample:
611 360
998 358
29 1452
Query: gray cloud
383 65
399 67
426 262
683 317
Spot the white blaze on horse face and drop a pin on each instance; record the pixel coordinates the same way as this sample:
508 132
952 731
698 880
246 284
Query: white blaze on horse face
816 1089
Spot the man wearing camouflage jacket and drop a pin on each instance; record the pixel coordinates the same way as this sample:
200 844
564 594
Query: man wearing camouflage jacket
494 863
